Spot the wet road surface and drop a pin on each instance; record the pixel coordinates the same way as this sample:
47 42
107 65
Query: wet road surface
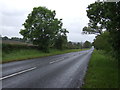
59 71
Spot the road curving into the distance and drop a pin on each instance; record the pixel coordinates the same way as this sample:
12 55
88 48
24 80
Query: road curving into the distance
59 71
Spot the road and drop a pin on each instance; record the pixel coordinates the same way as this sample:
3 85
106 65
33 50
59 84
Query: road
59 71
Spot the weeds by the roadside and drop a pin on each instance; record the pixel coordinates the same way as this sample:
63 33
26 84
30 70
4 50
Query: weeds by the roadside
102 71
32 53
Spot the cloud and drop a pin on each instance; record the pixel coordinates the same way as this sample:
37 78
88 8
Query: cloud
13 14
12 21
77 37
10 31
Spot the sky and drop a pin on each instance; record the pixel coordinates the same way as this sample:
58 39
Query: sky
13 14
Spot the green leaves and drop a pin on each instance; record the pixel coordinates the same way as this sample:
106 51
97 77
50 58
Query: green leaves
87 44
41 27
103 42
105 16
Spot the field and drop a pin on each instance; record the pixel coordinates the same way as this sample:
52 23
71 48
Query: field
32 53
14 42
14 51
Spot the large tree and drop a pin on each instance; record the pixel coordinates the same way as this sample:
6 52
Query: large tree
105 16
41 27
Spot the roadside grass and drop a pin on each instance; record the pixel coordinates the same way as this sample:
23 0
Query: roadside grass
102 71
23 54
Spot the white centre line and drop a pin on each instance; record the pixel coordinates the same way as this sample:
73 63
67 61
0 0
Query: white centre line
52 62
17 73
56 60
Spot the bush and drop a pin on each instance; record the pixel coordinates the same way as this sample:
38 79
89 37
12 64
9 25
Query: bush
10 47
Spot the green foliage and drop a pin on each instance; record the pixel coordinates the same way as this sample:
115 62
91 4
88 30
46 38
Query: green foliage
102 42
102 71
42 28
61 42
79 45
16 39
7 48
87 44
89 30
73 45
22 54
105 15
5 38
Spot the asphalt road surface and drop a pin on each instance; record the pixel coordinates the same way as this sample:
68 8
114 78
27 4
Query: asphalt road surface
59 71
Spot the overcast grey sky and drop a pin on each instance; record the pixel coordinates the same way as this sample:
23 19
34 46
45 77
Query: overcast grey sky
13 14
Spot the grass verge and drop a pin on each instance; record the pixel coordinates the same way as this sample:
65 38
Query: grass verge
102 71
23 54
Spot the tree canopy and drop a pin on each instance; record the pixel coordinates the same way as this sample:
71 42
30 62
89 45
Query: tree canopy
87 44
105 16
42 28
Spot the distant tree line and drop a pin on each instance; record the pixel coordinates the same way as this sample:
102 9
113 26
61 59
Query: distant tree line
79 45
13 38
66 44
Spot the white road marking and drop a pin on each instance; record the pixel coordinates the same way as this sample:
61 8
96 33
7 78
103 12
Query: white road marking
17 73
52 62
56 61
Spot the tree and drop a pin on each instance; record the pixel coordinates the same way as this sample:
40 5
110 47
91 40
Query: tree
102 42
41 27
74 45
69 45
87 44
60 42
106 16
5 38
61 39
90 30
79 45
